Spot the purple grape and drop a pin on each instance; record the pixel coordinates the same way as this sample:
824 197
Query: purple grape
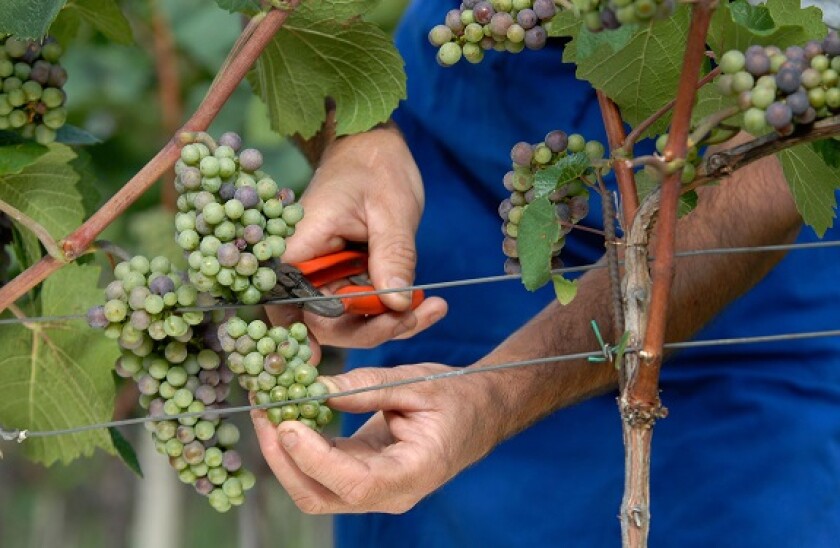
563 213
206 394
40 72
232 140
222 392
248 196
121 371
156 408
545 9
778 115
831 44
527 19
812 49
609 20
231 460
58 76
756 61
202 226
162 285
522 153
453 21
201 199
509 248
253 234
487 43
115 290
225 374
508 181
500 23
204 486
228 255
209 376
191 178
286 196
535 38
140 320
250 159
788 79
137 298
96 317
504 210
227 191
798 102
148 385
557 141
579 206
806 117
512 267
483 12
795 52
530 195
241 245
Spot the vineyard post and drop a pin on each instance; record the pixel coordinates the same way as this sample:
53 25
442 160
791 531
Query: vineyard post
242 58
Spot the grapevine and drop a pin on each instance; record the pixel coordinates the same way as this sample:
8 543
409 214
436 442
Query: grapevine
32 98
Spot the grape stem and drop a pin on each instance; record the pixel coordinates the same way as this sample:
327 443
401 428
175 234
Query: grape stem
723 163
639 401
709 123
641 129
609 215
33 226
227 81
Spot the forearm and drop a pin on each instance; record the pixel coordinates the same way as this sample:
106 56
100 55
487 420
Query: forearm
754 207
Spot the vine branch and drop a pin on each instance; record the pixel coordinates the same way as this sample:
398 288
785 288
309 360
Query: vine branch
33 226
226 82
623 173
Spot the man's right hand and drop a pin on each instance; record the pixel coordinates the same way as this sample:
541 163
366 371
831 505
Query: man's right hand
367 189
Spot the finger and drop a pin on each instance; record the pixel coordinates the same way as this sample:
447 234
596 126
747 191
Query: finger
393 256
309 495
401 398
354 331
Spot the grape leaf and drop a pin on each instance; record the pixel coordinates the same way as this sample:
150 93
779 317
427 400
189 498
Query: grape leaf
239 5
538 230
46 191
829 151
565 290
314 56
641 76
586 43
28 19
72 135
566 170
739 25
125 451
103 15
58 376
813 185
14 158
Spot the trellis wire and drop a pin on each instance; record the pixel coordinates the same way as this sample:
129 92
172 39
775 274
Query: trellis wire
22 435
451 283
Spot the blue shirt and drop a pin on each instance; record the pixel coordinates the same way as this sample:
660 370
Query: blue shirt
750 453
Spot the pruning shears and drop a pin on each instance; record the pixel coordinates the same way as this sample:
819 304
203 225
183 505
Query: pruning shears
304 279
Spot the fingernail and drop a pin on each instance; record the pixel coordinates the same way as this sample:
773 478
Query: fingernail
397 283
288 439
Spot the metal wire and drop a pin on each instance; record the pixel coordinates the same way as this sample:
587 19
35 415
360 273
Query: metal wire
449 284
22 435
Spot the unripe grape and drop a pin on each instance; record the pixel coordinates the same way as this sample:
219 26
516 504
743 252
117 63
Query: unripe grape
53 97
250 159
577 143
231 139
732 62
449 54
440 34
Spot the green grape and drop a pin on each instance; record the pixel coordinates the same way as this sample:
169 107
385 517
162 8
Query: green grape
732 62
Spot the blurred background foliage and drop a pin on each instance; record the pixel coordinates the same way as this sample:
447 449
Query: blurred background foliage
117 93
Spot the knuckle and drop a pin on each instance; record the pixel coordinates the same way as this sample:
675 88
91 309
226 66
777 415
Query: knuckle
401 251
309 504
356 494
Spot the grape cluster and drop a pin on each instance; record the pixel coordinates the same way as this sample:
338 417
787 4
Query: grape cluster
31 94
274 365
233 219
778 90
571 200
693 159
502 25
601 15
174 357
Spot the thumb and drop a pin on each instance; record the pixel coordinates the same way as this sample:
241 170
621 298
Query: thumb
396 398
393 258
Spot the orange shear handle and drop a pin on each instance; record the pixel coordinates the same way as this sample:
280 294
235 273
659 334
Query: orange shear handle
370 305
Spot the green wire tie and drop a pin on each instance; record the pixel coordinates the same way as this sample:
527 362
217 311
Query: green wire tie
611 353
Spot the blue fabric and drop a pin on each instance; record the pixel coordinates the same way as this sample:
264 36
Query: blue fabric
750 454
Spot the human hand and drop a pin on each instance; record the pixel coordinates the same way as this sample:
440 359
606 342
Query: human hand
367 189
422 435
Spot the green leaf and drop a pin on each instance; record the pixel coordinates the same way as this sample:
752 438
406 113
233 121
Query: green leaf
103 15
46 191
829 151
58 376
239 5
565 290
314 57
781 23
125 451
641 76
72 135
813 185
538 230
566 170
14 158
28 19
